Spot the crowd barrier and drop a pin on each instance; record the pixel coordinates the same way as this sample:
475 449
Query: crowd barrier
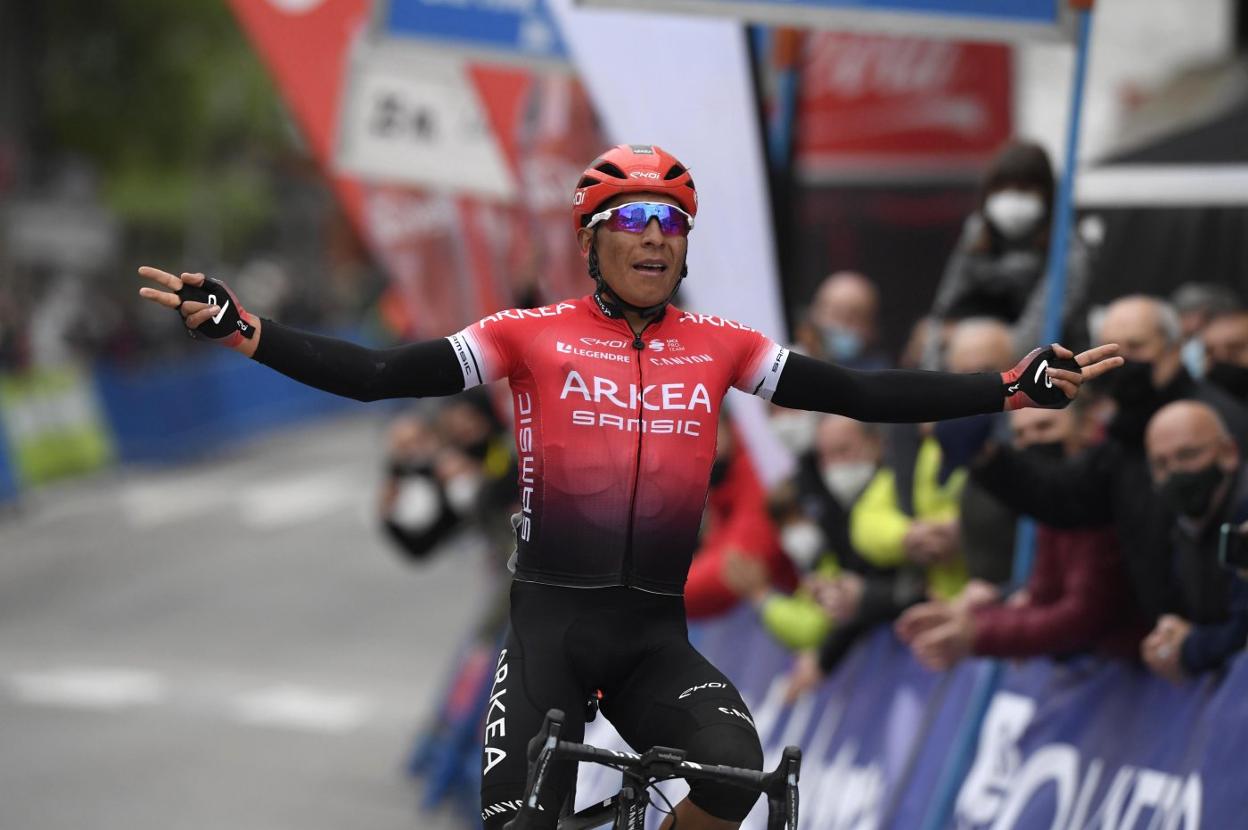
57 422
202 404
1065 745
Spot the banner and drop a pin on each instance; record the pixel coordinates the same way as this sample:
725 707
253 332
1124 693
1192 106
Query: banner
874 107
1072 745
518 136
414 118
517 29
978 19
52 422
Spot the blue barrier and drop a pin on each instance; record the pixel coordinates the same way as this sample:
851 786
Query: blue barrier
8 475
201 404
1079 743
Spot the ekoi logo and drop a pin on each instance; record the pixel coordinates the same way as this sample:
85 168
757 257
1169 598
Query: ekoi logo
564 348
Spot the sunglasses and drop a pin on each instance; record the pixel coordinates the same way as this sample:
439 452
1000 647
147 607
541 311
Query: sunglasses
635 216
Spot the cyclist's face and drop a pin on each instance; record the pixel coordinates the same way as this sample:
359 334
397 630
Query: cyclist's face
641 268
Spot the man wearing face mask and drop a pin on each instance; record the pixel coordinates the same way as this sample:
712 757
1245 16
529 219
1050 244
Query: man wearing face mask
1196 468
904 526
1225 344
1075 600
997 268
1111 481
843 318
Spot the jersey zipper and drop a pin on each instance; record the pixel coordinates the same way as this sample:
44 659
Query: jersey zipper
638 347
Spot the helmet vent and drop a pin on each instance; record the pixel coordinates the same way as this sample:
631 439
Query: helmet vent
676 171
586 181
611 170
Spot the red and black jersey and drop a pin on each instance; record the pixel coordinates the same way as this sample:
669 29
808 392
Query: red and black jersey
615 433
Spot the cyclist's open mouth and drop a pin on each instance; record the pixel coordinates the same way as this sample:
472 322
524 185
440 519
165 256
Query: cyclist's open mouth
651 267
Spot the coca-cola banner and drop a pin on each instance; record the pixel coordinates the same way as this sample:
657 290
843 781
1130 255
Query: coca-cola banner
874 107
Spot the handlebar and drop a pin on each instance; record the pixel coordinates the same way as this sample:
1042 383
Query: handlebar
657 764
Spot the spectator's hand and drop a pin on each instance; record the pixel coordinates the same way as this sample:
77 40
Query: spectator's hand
976 593
920 618
940 647
1019 599
1050 377
930 543
804 676
745 575
208 308
842 597
1163 648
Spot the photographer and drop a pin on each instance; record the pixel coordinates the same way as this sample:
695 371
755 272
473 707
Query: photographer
1198 471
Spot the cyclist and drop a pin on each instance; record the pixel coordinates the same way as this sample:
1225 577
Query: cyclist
616 397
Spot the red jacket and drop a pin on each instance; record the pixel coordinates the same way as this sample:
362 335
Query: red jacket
1079 600
737 519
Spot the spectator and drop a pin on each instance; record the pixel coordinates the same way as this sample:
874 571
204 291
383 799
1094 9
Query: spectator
1224 342
997 268
1197 469
813 515
1110 481
1197 303
415 511
1076 598
985 525
739 553
904 526
843 322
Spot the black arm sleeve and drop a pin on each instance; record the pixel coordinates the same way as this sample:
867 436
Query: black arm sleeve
893 396
414 370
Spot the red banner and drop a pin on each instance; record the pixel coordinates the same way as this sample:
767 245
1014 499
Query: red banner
450 258
887 106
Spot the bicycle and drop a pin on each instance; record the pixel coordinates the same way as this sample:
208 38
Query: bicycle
626 810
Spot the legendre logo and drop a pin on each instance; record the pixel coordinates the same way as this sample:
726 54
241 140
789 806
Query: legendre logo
564 348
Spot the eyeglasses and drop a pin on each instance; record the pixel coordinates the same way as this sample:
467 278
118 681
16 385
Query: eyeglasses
633 217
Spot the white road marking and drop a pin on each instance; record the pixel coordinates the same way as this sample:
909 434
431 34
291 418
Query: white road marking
89 688
155 503
300 707
292 501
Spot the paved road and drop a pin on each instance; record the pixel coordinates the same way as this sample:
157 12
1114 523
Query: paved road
225 645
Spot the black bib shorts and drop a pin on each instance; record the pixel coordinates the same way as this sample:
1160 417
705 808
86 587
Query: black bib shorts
563 645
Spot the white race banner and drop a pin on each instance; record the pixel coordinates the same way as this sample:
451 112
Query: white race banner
413 117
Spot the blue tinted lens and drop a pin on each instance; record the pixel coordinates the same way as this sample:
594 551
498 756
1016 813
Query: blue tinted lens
634 217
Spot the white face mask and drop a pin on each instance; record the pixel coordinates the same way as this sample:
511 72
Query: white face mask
1015 213
847 481
417 505
796 430
802 542
461 492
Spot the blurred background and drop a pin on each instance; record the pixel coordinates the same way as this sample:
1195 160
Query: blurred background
228 600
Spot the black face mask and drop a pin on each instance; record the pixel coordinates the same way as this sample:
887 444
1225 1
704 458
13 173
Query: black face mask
1232 378
1131 384
1191 493
1055 450
719 470
478 449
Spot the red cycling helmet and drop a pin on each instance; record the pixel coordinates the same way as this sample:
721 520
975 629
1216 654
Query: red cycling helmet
631 168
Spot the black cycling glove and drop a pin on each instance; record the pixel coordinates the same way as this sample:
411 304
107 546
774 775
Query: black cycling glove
229 327
1028 384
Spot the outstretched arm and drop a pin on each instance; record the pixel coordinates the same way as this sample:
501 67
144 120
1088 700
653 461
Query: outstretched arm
1046 377
415 370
